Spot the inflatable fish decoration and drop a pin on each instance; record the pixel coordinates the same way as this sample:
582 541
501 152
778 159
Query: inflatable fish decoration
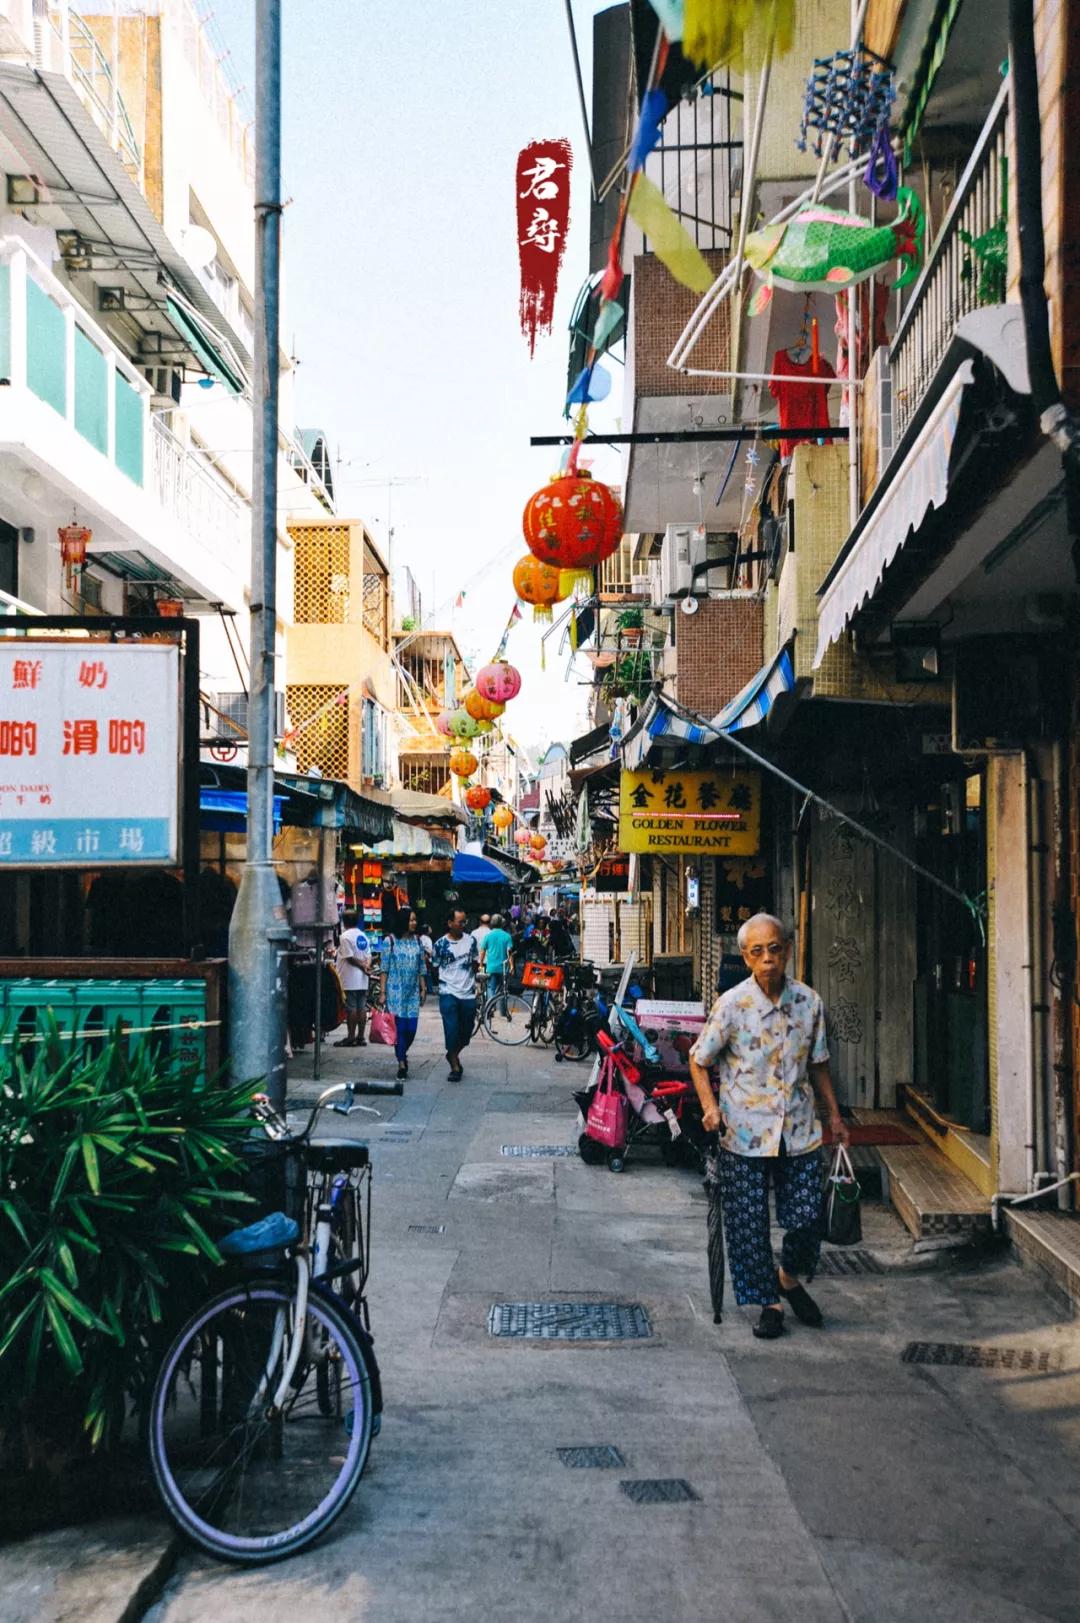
822 250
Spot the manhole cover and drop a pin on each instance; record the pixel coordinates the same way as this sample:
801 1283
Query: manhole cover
968 1356
659 1490
600 1457
538 1151
842 1263
427 1228
570 1321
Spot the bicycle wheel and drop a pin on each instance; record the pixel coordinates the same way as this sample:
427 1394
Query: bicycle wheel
244 1481
572 1038
547 1016
507 1018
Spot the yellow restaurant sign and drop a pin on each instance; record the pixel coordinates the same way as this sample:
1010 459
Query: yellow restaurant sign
695 812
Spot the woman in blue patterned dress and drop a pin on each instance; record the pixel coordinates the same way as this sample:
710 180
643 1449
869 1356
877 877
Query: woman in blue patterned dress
402 961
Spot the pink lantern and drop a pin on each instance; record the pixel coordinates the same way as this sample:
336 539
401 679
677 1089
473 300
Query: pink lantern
521 837
498 681
442 724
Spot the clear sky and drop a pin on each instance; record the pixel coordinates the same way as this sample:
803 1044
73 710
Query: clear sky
402 125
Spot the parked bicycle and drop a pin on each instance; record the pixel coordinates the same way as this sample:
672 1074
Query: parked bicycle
266 1403
531 1015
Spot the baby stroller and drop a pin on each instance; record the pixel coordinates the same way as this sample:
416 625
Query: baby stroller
626 1105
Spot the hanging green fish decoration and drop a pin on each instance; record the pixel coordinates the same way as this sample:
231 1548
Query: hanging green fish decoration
822 250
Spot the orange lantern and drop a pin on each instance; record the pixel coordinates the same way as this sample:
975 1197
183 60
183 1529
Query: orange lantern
502 817
463 763
538 842
481 709
538 584
477 797
573 523
74 540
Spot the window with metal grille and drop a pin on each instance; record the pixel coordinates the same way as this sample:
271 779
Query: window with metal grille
320 721
427 774
234 707
375 605
320 574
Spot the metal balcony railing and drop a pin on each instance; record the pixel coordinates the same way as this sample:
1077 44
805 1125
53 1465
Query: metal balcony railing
953 282
187 488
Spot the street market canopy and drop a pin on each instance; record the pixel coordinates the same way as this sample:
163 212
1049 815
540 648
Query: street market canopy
470 869
662 723
409 841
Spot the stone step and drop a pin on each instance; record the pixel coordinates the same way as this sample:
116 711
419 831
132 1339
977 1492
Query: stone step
1051 1242
933 1199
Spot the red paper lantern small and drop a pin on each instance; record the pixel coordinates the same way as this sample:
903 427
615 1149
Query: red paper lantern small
539 584
477 797
463 763
498 681
74 540
573 523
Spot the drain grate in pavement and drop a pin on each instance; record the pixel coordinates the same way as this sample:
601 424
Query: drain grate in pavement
538 1151
570 1321
969 1356
427 1228
601 1457
659 1490
841 1263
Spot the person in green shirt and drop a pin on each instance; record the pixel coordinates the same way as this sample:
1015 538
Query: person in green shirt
498 957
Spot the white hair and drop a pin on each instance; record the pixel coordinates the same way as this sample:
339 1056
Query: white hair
762 918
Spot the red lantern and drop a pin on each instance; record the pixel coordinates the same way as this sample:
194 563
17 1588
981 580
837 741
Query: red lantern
477 797
498 681
538 584
463 763
481 708
74 540
574 523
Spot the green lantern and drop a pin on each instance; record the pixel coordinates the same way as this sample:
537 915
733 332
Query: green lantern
462 725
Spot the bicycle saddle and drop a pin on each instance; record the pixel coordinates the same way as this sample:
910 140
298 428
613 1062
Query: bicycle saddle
270 1233
335 1154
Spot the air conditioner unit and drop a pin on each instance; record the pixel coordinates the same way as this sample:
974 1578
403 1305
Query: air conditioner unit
167 383
656 585
683 546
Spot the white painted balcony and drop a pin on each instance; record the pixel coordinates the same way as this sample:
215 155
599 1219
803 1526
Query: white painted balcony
77 439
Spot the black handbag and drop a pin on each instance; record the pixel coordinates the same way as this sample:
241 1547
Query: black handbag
841 1213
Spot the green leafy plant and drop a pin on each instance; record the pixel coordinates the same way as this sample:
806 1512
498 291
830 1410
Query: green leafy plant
630 676
630 620
116 1173
408 623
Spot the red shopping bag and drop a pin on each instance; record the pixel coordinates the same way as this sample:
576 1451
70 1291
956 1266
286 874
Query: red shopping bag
383 1028
608 1114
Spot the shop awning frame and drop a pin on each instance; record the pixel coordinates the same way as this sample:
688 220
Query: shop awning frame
202 344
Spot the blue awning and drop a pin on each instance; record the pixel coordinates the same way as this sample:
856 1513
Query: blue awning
661 723
224 811
759 695
473 870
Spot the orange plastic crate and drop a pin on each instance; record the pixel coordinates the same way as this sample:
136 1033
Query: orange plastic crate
547 976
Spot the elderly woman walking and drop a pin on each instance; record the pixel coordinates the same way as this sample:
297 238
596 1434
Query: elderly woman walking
766 1039
402 961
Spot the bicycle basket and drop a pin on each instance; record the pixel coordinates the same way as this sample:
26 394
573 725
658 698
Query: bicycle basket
545 977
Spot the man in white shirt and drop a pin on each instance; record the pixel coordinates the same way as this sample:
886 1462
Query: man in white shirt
354 968
481 933
456 959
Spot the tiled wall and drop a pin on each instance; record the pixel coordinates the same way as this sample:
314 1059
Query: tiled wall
717 651
662 307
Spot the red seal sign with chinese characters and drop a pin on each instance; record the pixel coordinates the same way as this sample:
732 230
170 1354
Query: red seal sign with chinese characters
543 216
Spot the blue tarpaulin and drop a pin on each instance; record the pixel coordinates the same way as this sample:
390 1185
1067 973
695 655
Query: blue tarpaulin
473 870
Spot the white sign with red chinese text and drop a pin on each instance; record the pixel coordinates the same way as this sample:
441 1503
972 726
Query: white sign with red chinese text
89 753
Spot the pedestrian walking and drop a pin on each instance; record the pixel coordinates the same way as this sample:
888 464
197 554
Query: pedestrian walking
456 958
403 967
481 933
354 970
497 959
430 972
766 1038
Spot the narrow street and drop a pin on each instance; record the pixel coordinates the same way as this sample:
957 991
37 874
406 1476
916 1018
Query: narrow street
829 1480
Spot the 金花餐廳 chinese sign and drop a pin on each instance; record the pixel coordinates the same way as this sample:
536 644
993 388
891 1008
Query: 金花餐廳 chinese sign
89 753
695 812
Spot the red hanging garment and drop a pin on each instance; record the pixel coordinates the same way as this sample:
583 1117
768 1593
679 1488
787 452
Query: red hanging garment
800 404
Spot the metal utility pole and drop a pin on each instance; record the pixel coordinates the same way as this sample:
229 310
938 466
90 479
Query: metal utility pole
259 932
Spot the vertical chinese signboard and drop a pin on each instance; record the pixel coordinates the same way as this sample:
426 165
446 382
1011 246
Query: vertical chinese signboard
543 215
695 813
89 753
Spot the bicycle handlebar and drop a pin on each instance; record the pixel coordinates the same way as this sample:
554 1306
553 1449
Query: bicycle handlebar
276 1126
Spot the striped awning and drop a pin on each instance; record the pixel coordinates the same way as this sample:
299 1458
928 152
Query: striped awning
661 723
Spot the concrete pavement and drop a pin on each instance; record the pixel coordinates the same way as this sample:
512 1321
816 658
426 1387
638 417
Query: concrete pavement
829 1480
